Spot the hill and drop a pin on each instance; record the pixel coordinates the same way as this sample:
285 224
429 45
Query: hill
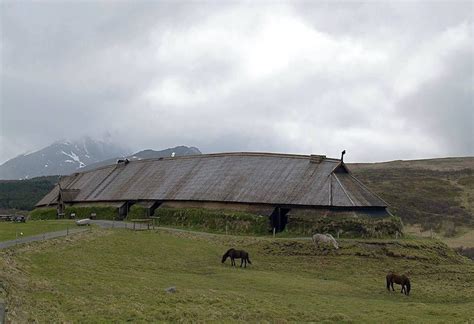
436 193
24 194
121 275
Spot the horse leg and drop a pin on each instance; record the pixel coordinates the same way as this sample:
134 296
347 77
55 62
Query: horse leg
393 289
232 261
245 263
241 262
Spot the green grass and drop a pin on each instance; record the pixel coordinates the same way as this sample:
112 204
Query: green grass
9 230
421 194
121 275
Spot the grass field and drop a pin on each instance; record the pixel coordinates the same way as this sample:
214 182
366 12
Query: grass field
436 193
10 230
121 275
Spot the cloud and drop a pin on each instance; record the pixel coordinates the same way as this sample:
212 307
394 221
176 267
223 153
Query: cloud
384 81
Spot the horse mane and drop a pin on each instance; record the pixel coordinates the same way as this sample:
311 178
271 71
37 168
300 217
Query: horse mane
228 251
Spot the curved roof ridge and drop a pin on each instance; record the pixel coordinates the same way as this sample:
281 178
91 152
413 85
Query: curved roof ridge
210 155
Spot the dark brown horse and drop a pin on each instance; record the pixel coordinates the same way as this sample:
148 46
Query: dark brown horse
236 254
402 280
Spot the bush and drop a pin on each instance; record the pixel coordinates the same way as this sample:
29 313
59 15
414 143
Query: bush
215 220
347 226
43 213
137 212
102 212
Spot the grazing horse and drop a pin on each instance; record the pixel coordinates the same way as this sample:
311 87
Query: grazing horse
402 280
325 239
236 254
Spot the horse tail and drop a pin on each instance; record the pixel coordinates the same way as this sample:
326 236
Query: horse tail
408 286
248 259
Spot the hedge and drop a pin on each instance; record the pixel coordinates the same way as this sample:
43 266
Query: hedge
102 212
137 212
347 226
44 213
215 220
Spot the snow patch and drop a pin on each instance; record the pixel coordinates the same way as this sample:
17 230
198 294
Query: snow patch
75 158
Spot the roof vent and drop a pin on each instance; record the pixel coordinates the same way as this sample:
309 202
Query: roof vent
316 158
124 161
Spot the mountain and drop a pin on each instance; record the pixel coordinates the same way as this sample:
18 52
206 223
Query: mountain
63 157
436 193
147 154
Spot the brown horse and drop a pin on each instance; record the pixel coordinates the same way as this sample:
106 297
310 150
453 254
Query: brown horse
236 254
402 280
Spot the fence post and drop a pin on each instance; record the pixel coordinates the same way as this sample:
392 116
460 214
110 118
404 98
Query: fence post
274 231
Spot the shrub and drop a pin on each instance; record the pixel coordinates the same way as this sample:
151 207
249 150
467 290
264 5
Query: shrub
43 213
137 212
347 226
102 212
215 220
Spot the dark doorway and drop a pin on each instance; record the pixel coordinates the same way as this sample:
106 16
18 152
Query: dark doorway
279 218
151 210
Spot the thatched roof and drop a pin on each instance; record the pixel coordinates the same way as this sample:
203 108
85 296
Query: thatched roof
264 178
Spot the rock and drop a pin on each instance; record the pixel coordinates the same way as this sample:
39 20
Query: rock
171 290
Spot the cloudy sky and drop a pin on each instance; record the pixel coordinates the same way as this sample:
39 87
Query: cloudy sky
384 81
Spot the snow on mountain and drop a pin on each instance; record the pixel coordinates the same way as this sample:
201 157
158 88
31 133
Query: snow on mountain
62 157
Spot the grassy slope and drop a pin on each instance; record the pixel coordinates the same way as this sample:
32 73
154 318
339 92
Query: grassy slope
121 276
437 193
9 230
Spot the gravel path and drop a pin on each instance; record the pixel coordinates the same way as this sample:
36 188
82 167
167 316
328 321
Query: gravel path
102 224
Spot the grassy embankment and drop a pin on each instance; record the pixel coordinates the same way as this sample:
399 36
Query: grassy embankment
11 230
438 194
121 276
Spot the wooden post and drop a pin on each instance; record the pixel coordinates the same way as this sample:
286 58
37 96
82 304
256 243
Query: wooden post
226 228
274 230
